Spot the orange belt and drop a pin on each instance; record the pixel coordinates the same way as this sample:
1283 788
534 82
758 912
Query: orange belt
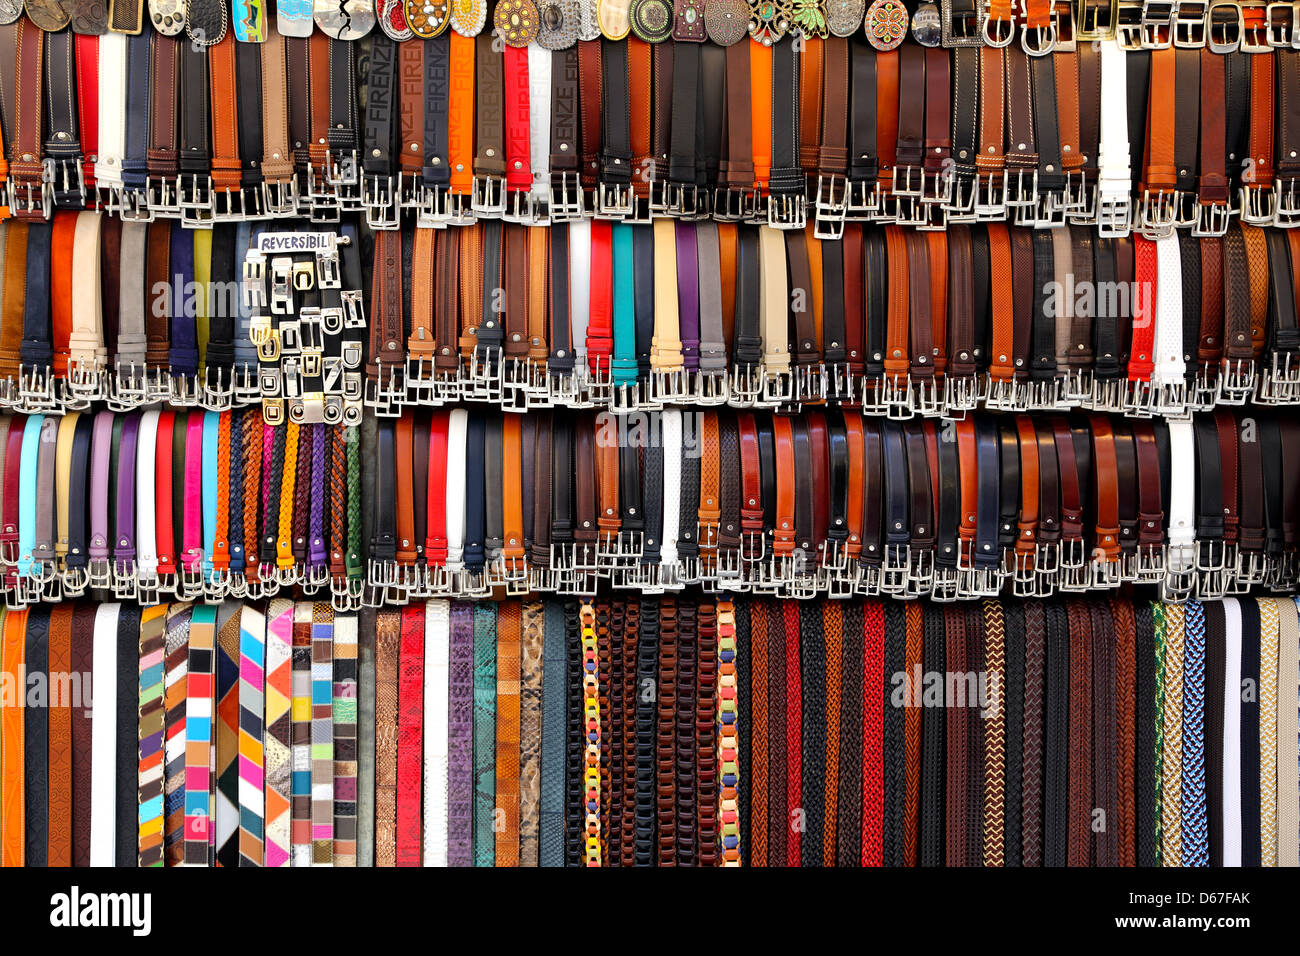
760 92
12 735
460 113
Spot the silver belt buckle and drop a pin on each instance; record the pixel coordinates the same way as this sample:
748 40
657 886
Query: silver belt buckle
1038 41
162 197
566 197
613 200
1258 205
1158 212
380 202
1211 219
132 205
84 384
787 212
746 385
1114 214
863 201
431 206
519 206
1286 202
990 197
1225 26
280 199
907 180
997 33
966 30
1255 33
1158 24
1128 24
830 206
1189 24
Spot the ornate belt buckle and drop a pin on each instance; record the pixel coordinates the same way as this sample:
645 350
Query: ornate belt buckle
964 30
1157 24
787 212
613 200
1096 21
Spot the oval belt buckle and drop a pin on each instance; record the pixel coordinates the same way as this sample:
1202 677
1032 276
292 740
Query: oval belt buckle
998 32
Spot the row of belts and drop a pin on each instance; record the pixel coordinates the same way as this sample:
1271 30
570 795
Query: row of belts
531 124
1127 707
247 508
899 322
93 308
468 501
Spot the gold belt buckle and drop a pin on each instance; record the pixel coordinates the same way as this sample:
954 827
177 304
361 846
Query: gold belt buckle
1095 21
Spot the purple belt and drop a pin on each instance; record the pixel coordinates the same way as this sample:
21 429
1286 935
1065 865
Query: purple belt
124 543
688 295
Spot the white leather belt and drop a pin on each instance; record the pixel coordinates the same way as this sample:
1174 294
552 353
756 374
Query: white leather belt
112 109
579 286
1169 366
146 502
103 737
1113 173
539 121
1182 497
1231 822
437 675
672 441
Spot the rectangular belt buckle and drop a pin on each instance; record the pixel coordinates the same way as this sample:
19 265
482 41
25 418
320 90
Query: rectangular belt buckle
1286 203
518 206
1095 21
787 212
566 197
1114 215
460 210
67 180
162 197
1157 212
431 206
280 199
1158 24
380 203
1020 187
488 196
1226 26
682 200
613 200
964 30
227 204
1128 24
830 206
1189 24
1211 219
1258 206
1255 28
281 298
990 197
342 171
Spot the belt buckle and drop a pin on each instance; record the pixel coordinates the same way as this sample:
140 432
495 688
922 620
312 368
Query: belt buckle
1158 212
1258 205
1205 389
894 569
125 585
707 386
1107 395
863 199
1100 25
36 390
1076 386
566 197
380 202
613 201
1226 26
1046 394
787 212
194 199
830 207
1286 202
997 33
127 387
961 201
1255 28
907 180
990 197
67 179
1114 214
31 201
929 216
745 389
1005 394
680 200
961 394
518 206
84 384
386 398
1180 574
245 384
75 581
1139 398
1043 42
1236 381
946 585
1157 24
809 383
1128 24
280 199
481 379
1020 187
132 205
431 206
1024 574
460 209
1053 206
1251 568
1190 24
185 390
965 30
920 570
840 383
733 205
1279 381
227 204
162 197
1150 564
777 388
1171 400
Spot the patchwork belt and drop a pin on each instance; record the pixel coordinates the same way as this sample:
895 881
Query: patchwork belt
470 500
249 508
